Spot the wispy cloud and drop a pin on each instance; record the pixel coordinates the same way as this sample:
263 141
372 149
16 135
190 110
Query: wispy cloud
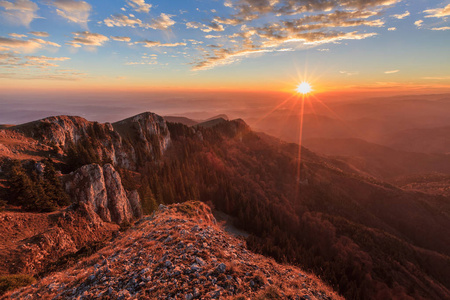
349 73
418 23
121 38
14 61
391 72
441 28
437 78
17 35
162 22
438 12
72 10
121 20
401 16
298 25
19 12
25 46
139 5
39 33
86 38
213 26
150 44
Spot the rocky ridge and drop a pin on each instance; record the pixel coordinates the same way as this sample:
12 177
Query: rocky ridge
177 253
123 143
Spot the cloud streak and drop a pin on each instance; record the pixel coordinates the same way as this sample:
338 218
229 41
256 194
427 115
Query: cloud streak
163 22
391 72
25 46
74 11
438 12
401 16
139 5
19 12
86 38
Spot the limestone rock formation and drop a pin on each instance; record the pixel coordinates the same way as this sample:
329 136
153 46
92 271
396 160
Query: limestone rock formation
125 143
101 188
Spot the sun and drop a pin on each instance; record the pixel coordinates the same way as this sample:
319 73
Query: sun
304 88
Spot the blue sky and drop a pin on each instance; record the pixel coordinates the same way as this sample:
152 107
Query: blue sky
224 44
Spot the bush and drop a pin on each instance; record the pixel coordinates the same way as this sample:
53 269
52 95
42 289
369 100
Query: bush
12 282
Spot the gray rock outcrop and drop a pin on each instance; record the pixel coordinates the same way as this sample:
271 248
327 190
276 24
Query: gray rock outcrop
125 143
101 188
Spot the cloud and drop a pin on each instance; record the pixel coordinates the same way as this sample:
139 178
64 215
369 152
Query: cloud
162 22
437 78
25 46
86 38
19 12
16 35
267 26
139 5
134 63
13 61
121 20
213 26
392 28
438 12
226 57
39 33
64 75
349 73
441 28
150 44
121 38
418 23
72 10
401 16
254 9
391 72
46 58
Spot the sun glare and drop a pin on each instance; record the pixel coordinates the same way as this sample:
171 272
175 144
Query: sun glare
304 88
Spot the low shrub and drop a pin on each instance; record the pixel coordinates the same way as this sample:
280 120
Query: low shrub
12 282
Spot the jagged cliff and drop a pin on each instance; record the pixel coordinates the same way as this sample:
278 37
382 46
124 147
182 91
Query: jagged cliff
101 188
178 253
127 143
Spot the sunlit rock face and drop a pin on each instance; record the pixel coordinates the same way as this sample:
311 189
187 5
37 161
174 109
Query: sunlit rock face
126 144
101 188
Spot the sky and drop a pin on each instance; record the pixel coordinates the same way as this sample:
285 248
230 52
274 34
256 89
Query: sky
254 45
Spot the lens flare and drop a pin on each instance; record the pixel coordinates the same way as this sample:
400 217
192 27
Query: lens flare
304 88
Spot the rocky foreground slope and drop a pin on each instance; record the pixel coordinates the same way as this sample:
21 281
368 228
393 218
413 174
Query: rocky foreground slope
177 253
30 243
